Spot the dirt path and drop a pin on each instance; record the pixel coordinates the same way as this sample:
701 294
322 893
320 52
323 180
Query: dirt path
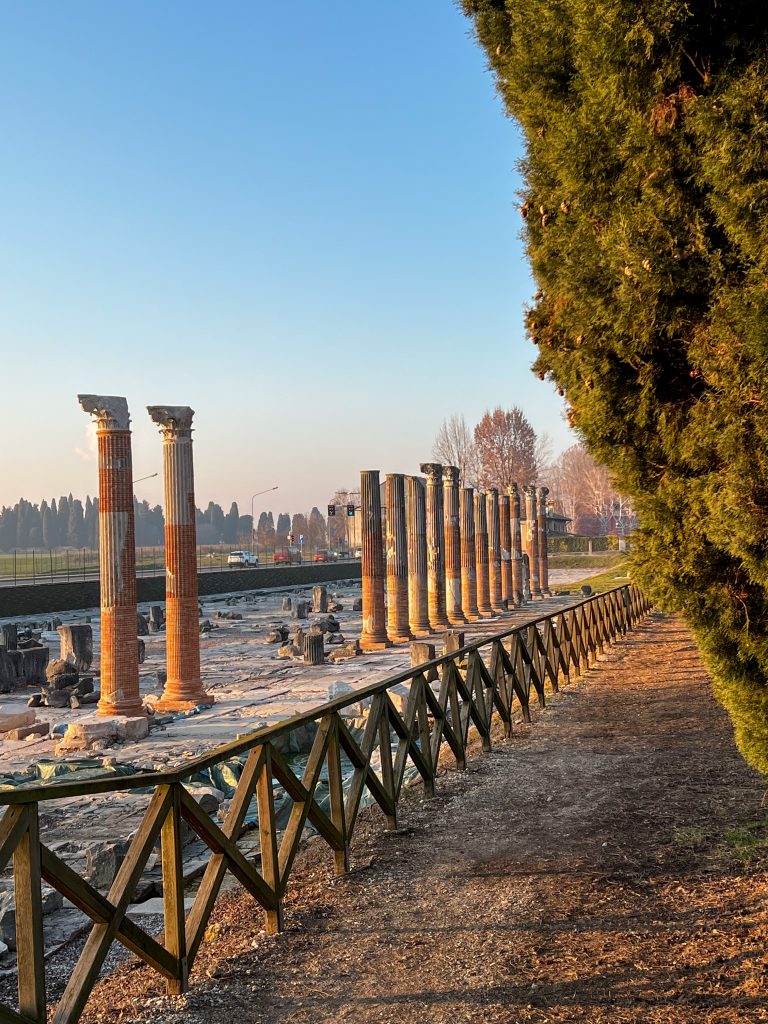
587 870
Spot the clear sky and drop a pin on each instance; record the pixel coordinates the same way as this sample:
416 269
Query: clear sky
298 218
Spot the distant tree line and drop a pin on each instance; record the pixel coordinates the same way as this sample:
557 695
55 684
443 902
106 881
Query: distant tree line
67 522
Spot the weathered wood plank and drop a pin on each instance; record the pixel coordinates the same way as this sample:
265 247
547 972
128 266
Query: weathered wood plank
27 878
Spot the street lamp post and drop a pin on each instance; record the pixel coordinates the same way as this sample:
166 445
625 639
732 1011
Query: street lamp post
253 524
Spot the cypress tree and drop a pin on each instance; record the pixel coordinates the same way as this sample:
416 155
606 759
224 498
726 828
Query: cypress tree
645 206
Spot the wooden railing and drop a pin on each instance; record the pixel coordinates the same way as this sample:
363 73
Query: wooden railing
471 685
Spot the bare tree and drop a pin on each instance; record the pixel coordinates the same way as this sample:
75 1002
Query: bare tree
455 446
586 494
506 448
545 457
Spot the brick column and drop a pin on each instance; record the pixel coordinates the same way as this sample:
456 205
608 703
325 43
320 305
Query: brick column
543 553
481 558
418 607
397 560
374 636
532 539
183 687
452 547
505 535
117 557
494 548
468 558
435 545
517 543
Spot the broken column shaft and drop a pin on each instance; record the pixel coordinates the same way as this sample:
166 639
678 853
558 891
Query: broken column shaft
119 660
374 635
418 606
468 560
481 557
183 688
435 545
453 605
494 549
532 539
542 531
505 534
397 560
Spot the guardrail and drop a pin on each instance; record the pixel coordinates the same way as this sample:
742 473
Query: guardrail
472 685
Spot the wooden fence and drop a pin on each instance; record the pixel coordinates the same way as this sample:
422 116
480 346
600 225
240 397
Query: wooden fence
446 696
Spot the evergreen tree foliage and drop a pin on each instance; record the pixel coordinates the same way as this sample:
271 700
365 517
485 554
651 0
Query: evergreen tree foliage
645 208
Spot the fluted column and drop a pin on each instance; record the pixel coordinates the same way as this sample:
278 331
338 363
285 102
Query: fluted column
481 557
374 635
494 548
435 545
183 688
452 547
505 536
532 539
418 606
117 557
517 543
397 560
543 552
468 554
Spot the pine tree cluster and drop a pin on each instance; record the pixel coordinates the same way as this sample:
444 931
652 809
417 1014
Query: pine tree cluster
645 209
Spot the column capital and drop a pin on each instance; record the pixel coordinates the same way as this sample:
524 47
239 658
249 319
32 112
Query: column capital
450 475
431 470
513 491
174 420
109 411
543 492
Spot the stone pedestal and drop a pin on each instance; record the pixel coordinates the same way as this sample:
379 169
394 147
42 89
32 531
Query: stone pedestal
505 534
453 599
76 645
374 635
117 557
532 539
435 545
543 552
517 544
418 600
397 560
183 687
494 549
481 558
468 559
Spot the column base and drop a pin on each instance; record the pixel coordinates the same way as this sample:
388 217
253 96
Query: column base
483 614
439 625
421 631
458 620
499 610
374 643
404 638
182 703
472 616
126 710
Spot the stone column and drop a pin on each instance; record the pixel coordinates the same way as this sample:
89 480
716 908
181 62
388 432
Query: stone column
468 559
481 558
435 545
494 548
183 688
452 547
505 536
532 539
374 636
418 607
117 557
543 553
397 560
517 543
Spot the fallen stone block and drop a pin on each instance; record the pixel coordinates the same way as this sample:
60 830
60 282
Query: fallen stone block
349 650
357 604
129 729
16 720
38 729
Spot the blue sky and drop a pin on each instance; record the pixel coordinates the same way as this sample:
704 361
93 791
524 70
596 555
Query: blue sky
299 219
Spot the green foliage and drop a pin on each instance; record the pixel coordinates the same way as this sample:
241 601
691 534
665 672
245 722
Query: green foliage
646 223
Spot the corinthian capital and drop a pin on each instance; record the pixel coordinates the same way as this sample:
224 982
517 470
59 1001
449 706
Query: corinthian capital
174 420
432 471
109 411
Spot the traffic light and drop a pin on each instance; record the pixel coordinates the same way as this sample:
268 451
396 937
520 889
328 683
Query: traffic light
351 509
331 510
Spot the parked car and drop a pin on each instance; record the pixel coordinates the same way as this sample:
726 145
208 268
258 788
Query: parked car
242 560
324 555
